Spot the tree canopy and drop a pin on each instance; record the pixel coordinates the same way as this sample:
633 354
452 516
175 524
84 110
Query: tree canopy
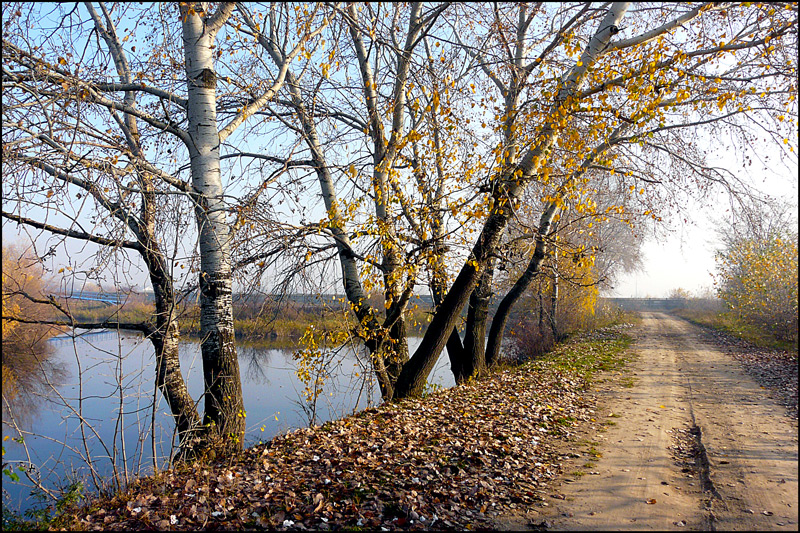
374 150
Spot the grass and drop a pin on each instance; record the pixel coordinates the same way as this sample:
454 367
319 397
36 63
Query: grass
728 322
588 356
286 322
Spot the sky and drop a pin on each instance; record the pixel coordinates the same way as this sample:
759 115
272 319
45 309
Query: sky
675 260
682 254
679 256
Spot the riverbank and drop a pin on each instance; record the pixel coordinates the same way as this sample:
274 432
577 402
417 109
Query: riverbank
285 322
458 458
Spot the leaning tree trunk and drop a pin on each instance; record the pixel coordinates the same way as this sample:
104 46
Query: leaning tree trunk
510 299
165 334
224 409
412 379
165 340
474 363
438 284
455 348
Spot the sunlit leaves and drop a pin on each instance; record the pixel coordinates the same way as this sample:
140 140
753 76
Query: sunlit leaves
757 279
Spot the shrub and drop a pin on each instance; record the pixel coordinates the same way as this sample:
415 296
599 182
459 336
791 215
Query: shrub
757 279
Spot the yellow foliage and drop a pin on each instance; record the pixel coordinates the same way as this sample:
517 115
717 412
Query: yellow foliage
757 279
314 359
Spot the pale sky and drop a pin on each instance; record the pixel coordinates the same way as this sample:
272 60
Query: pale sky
685 257
671 262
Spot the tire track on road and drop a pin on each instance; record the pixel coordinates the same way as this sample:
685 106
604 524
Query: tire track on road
747 447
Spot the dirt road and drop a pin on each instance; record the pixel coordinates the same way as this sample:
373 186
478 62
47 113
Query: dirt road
741 469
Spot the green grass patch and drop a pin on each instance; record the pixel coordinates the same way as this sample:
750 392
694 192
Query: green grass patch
565 421
586 355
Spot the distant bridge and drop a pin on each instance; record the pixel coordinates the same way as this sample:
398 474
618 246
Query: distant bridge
105 298
647 304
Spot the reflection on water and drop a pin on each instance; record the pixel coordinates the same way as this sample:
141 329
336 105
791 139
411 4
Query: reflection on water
29 374
103 409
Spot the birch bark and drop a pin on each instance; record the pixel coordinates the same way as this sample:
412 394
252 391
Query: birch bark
224 408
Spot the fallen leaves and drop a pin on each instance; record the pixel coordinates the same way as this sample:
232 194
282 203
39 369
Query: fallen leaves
406 465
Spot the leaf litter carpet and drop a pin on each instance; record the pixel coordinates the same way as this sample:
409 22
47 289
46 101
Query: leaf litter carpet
454 460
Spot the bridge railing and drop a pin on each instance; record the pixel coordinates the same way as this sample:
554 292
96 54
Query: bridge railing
104 298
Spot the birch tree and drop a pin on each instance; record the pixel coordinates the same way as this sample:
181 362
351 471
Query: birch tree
58 155
165 104
667 84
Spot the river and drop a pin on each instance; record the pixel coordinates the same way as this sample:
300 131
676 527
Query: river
57 445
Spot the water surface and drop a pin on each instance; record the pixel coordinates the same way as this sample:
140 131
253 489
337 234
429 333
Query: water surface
79 417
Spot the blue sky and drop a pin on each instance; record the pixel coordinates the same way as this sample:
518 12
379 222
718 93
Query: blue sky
682 256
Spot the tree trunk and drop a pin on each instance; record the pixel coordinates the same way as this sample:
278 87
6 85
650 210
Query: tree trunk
540 328
554 307
507 189
165 339
509 300
165 335
455 349
415 373
353 288
474 363
435 198
224 409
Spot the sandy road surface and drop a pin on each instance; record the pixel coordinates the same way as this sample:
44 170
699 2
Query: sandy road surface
749 475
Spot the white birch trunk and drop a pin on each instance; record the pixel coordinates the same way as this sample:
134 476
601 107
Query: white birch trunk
223 392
